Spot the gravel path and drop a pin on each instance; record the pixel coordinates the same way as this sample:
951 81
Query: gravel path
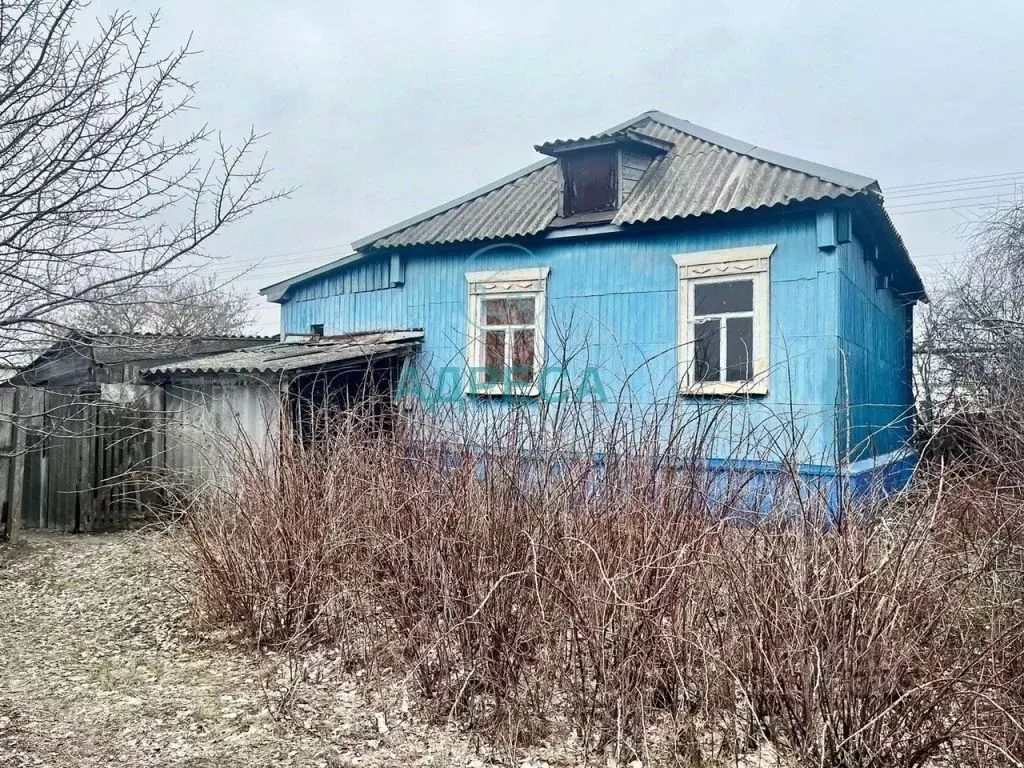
101 664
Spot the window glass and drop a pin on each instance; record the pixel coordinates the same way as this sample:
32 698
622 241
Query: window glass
739 345
494 358
719 298
509 311
506 312
522 355
706 350
724 323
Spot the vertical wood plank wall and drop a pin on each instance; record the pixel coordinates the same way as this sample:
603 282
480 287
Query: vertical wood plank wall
617 295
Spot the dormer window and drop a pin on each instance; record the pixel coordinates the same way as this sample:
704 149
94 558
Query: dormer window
590 181
599 173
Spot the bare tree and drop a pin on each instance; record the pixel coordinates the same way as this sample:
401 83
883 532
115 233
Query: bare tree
190 306
972 337
98 190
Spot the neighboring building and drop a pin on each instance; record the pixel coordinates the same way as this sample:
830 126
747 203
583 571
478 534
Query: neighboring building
95 431
80 429
222 407
738 279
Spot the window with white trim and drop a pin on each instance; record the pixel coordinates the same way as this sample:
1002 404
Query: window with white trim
506 331
724 320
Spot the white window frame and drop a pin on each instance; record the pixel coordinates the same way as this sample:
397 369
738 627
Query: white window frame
507 283
719 267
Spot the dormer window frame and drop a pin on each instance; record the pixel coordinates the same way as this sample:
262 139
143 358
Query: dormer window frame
618 143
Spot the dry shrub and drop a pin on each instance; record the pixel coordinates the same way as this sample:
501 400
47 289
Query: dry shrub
272 553
857 646
529 586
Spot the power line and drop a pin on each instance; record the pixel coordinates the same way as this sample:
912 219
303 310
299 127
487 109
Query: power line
1008 184
965 207
310 250
259 265
960 180
905 206
315 254
263 267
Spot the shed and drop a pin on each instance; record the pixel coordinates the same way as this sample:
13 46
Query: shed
85 428
104 423
219 406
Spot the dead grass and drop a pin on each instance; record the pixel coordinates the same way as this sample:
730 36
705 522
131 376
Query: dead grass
102 664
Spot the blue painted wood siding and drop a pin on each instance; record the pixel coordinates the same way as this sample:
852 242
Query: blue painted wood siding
616 298
359 297
876 334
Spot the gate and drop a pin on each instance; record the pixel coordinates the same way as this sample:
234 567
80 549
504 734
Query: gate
88 463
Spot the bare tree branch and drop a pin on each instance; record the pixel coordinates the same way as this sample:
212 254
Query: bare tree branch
188 306
971 346
98 193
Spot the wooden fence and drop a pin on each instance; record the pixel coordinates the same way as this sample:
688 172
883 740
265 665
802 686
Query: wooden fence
79 463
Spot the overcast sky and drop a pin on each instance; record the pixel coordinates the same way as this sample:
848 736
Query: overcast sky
379 110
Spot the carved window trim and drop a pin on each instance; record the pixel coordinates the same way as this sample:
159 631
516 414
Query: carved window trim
528 283
720 266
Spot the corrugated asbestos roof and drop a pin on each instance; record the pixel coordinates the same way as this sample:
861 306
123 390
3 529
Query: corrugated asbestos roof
295 356
697 177
69 360
628 135
523 206
118 348
705 172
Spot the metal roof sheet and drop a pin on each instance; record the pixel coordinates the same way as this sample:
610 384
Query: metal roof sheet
294 356
704 172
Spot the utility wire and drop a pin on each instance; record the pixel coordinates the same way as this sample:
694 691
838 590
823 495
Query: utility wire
906 206
959 180
1009 184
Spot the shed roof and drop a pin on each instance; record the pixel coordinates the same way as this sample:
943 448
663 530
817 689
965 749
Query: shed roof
296 356
70 360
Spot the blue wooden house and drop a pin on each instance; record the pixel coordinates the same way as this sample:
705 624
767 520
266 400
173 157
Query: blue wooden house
656 261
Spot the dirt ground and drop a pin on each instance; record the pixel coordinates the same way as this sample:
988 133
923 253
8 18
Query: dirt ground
101 663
